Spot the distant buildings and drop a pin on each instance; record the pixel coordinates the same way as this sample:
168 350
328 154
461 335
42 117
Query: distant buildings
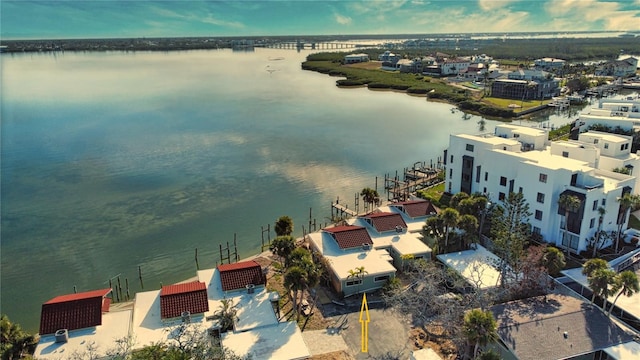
526 85
356 58
618 68
549 63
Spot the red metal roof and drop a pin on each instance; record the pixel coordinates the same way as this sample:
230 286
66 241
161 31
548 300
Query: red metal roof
386 221
350 236
74 311
417 208
239 275
178 298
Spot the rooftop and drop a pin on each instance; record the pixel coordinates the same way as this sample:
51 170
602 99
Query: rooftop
386 221
415 208
555 327
239 275
74 311
281 341
476 266
179 298
349 236
101 338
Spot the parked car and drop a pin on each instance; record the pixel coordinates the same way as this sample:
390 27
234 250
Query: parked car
632 236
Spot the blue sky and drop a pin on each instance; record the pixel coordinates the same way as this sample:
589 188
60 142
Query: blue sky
22 19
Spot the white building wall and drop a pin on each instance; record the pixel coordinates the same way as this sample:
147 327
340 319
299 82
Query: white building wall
541 177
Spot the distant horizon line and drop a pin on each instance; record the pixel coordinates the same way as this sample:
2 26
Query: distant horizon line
341 36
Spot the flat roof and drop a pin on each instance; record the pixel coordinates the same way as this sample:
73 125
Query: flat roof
489 139
115 325
281 341
254 310
404 243
476 266
628 350
629 304
375 261
523 129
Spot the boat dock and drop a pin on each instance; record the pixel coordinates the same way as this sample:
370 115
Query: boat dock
418 177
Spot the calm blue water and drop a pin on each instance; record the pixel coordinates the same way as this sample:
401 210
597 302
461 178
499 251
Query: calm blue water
112 161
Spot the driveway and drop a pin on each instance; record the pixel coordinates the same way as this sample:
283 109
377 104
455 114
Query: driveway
388 331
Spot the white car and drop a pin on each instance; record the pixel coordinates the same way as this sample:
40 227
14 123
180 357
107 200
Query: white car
629 234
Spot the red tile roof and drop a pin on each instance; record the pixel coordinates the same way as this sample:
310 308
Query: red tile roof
239 275
386 221
350 236
74 311
191 297
416 208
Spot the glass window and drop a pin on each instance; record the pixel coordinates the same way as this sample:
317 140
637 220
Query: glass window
501 196
540 198
381 278
592 223
354 282
542 178
538 215
565 154
595 204
503 181
469 147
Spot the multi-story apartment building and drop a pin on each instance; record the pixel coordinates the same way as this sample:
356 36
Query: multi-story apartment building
623 114
520 159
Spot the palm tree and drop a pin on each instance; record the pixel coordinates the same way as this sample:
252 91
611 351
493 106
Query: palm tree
283 226
370 196
479 328
359 274
14 341
553 260
449 218
626 283
294 280
601 211
600 283
469 224
570 203
282 246
590 267
626 201
226 315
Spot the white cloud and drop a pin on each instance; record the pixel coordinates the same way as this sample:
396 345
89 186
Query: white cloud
488 5
609 14
342 20
457 20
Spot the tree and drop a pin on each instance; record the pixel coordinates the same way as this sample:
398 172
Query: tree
457 198
601 212
553 260
626 201
294 281
625 283
449 217
480 328
302 274
282 246
600 283
15 342
570 203
226 315
283 226
592 265
510 231
469 224
370 196
357 273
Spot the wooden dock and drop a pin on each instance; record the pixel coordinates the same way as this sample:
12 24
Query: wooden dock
342 210
414 179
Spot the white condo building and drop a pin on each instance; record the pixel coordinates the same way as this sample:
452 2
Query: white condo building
520 159
612 113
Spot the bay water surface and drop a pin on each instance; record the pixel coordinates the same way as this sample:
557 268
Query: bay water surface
117 161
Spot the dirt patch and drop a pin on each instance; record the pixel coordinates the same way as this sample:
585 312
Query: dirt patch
338 355
370 65
275 278
433 337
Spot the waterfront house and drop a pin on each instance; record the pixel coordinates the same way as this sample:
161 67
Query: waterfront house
390 57
513 160
454 66
618 68
183 300
356 58
526 85
79 323
414 212
549 63
346 248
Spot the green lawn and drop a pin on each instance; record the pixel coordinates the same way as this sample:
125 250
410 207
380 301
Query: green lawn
504 103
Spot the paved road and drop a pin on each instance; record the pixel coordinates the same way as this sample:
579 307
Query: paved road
388 331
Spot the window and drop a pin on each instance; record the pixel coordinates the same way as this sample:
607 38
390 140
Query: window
540 198
451 159
450 173
486 176
621 147
565 154
604 202
520 190
606 145
354 282
538 215
469 147
484 190
592 223
478 172
595 204
501 196
595 141
542 178
626 146
381 278
536 230
503 181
